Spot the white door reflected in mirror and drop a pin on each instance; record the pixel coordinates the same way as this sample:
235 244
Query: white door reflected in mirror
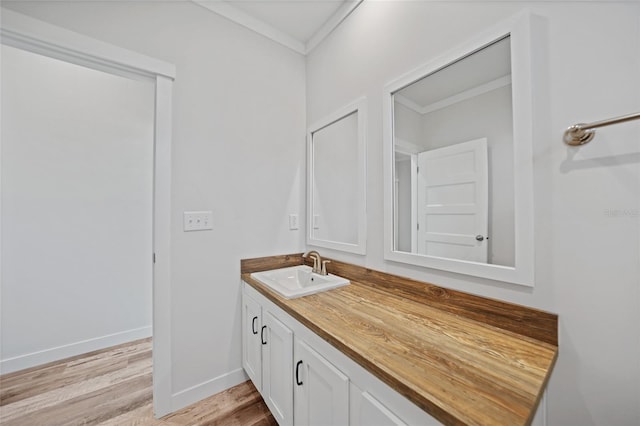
453 201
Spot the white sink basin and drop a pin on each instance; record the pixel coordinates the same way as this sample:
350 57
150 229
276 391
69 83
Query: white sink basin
298 281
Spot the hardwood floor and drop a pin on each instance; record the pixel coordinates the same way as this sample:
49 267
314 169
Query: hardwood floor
113 387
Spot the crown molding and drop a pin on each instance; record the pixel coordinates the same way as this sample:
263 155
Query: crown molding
402 100
238 16
331 24
226 10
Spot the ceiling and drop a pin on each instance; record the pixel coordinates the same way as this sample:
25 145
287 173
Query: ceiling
297 24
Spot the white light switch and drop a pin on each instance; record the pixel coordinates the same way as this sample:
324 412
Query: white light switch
293 221
316 221
198 221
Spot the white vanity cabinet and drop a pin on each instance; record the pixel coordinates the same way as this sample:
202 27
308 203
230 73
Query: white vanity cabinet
306 381
267 356
321 390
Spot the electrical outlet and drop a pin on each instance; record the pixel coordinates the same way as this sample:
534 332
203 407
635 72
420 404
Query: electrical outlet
198 221
293 221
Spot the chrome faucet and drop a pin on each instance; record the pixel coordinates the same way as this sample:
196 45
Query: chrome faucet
319 265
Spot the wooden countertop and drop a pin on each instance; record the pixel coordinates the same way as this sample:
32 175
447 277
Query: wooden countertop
463 359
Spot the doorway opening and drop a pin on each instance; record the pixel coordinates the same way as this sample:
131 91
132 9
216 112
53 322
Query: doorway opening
85 198
77 203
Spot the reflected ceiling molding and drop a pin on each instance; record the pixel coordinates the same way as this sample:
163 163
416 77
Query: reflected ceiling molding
468 94
227 10
403 100
406 147
451 100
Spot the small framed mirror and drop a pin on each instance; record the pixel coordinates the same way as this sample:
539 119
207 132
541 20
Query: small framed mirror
336 211
458 162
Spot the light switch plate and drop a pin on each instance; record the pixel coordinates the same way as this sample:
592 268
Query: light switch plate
198 221
293 221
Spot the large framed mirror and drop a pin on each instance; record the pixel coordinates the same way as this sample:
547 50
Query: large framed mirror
458 162
336 165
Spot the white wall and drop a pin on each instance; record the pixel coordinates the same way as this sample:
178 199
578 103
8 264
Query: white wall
238 150
77 179
586 200
408 125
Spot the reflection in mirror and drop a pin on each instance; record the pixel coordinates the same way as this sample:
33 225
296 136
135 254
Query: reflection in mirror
334 184
336 217
458 162
453 160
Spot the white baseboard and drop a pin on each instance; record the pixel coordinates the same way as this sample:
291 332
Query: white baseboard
206 389
33 359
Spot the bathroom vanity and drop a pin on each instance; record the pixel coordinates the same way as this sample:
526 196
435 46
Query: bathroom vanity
390 350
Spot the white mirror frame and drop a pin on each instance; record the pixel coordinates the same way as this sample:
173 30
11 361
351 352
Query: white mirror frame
519 28
358 106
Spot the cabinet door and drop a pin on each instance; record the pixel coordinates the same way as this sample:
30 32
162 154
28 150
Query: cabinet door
321 390
368 411
251 346
277 371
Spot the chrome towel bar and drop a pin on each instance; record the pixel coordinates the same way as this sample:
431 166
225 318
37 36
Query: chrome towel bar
579 134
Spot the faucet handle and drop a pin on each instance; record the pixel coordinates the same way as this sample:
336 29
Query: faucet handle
316 259
324 267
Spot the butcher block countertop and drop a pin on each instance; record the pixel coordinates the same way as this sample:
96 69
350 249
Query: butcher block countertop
464 359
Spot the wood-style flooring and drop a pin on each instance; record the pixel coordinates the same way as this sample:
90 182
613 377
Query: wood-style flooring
113 387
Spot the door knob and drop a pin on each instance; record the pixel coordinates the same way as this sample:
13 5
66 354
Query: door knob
479 237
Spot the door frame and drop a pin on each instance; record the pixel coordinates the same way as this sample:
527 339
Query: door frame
407 148
26 33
